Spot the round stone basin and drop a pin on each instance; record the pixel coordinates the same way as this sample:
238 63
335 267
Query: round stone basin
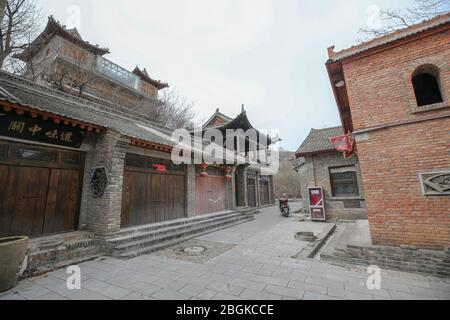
194 250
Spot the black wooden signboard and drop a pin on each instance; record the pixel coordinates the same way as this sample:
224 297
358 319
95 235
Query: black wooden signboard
27 128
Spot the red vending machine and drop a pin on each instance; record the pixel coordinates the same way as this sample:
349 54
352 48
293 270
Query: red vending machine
317 204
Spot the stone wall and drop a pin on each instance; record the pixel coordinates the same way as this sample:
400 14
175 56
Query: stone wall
316 173
404 258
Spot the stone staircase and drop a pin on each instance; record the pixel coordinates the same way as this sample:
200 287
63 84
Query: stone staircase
50 253
133 242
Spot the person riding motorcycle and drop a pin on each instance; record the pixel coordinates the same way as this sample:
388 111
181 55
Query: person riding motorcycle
284 204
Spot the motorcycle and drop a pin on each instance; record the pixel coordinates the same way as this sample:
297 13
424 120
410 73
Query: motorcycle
284 207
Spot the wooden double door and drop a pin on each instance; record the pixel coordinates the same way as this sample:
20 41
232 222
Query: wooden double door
211 194
251 190
264 191
150 196
40 190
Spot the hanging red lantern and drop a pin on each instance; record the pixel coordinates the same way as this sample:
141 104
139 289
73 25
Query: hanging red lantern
228 175
204 167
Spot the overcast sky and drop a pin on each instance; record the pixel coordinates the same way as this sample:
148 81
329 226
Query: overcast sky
267 54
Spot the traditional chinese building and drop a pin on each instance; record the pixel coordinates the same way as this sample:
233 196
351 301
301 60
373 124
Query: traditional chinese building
254 186
59 57
339 177
96 175
393 97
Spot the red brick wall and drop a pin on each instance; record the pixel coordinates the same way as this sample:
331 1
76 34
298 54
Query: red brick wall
381 93
391 161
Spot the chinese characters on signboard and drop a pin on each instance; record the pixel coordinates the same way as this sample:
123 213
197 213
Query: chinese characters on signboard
27 128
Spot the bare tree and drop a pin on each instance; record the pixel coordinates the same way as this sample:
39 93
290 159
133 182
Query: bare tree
287 180
395 19
73 78
175 111
18 27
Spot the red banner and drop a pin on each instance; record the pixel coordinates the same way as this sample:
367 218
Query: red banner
344 144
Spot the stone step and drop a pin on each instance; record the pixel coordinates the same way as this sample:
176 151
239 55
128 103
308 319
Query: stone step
163 225
175 233
141 235
174 241
63 259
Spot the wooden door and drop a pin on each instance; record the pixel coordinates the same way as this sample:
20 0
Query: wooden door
39 190
264 191
38 201
251 190
151 197
211 194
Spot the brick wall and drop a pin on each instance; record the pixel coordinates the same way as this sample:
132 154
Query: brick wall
381 93
380 88
103 215
398 212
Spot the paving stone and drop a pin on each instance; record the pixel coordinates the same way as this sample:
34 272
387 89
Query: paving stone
144 288
259 286
364 289
207 294
307 287
396 295
315 296
254 295
52 296
166 294
192 290
94 284
12 296
225 297
133 296
351 295
272 280
85 294
430 293
325 282
113 292
263 248
34 292
283 291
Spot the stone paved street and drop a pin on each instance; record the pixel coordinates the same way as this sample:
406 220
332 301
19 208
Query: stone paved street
258 265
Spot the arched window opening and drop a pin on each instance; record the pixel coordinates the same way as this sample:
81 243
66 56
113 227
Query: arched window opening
426 86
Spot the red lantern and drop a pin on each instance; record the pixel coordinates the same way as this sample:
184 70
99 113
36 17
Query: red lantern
228 175
204 167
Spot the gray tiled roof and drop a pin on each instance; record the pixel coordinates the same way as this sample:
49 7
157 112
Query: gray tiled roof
18 90
318 141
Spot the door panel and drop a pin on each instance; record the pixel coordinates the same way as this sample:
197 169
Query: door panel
211 194
38 197
251 191
152 198
62 201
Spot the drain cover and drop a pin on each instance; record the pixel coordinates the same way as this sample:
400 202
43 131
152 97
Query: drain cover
194 250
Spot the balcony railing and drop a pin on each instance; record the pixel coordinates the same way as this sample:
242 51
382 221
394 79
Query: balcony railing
116 72
100 65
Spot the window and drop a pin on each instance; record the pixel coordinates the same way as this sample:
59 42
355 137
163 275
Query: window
426 85
36 155
344 182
